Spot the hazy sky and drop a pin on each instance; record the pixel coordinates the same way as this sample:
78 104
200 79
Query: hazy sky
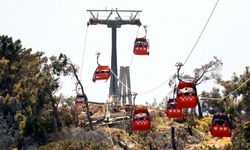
60 26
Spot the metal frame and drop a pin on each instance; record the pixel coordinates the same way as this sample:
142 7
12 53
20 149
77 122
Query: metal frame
114 24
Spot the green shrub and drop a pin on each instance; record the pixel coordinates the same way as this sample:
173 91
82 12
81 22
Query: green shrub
34 128
21 122
239 140
204 124
246 128
74 145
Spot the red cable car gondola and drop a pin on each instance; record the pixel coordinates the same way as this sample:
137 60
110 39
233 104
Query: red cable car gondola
101 73
79 102
221 126
140 120
141 46
186 95
172 111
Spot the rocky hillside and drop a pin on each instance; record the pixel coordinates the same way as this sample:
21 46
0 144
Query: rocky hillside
118 136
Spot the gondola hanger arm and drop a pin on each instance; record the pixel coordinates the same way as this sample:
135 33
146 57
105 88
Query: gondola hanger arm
97 57
179 65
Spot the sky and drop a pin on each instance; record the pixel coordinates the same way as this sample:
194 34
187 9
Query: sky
60 26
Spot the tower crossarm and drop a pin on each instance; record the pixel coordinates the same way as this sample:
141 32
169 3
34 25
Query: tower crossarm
114 17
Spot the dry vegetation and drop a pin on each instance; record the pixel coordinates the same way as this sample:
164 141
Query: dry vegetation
159 137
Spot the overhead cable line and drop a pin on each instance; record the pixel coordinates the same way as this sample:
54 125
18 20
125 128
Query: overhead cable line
190 51
131 61
202 31
132 57
155 88
120 80
141 93
84 49
211 98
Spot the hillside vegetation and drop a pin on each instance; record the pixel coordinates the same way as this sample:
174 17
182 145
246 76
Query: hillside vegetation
32 116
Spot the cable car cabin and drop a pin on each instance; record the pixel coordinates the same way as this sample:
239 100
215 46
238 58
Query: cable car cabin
128 107
101 73
172 111
140 120
141 46
221 126
80 104
186 95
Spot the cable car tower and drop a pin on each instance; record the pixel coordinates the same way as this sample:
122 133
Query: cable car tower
115 19
124 92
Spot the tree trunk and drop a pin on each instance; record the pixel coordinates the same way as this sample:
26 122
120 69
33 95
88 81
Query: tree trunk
84 96
199 110
190 130
55 113
173 139
87 106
